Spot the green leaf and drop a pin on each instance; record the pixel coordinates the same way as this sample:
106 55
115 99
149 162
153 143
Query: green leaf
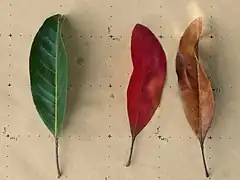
49 73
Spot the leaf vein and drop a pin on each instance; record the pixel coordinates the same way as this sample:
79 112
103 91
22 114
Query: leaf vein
47 81
48 53
42 62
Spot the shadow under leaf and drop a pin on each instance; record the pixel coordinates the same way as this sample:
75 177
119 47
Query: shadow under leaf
209 47
76 67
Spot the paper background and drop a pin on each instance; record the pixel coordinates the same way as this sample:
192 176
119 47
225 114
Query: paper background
96 111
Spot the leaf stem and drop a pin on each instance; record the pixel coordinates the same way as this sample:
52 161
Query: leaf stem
57 157
131 152
204 160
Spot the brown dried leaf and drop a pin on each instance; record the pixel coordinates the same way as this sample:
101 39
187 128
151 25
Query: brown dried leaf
195 88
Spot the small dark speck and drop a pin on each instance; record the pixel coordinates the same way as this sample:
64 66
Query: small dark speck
60 5
216 89
161 36
111 6
7 135
109 125
110 85
80 61
109 136
111 36
9 85
115 38
170 86
209 137
4 130
112 95
211 36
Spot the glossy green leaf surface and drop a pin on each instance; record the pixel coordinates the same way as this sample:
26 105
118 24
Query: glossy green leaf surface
49 73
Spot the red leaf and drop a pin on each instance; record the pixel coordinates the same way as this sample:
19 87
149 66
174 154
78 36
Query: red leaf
147 80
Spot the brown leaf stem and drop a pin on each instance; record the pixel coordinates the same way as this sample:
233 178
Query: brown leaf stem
57 157
204 160
131 152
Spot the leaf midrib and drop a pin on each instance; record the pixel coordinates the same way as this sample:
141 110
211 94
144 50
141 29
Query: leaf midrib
56 79
198 95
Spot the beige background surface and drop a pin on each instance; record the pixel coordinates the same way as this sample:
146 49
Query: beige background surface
96 110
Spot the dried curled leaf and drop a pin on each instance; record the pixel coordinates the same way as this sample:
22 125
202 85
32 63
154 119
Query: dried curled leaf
195 88
147 80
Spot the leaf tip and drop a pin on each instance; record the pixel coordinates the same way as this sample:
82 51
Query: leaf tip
198 24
